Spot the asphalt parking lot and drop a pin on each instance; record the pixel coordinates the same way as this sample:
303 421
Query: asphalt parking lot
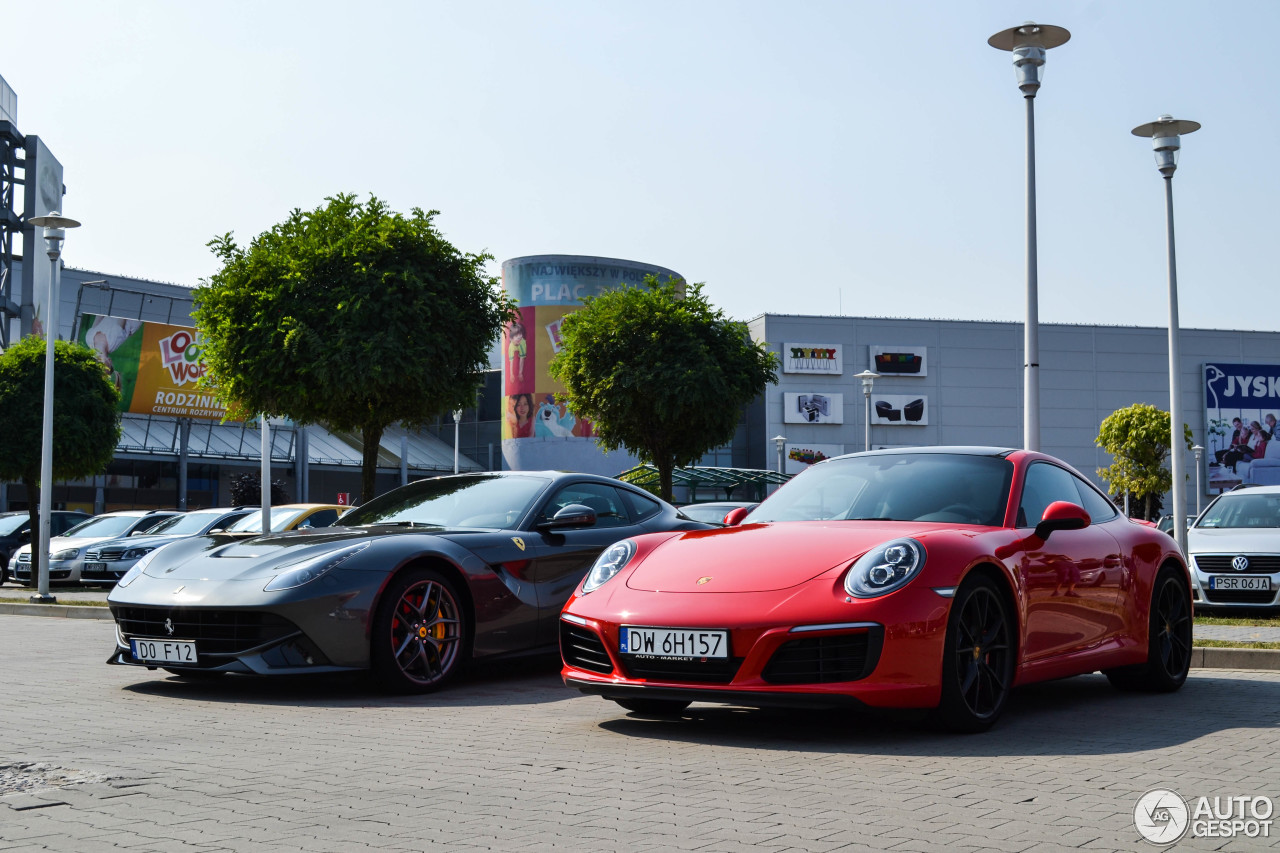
96 758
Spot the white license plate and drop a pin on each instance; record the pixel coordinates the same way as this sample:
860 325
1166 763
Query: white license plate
95 567
164 651
674 642
1238 582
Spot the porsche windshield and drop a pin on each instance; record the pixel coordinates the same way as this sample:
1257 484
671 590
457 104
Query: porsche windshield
942 487
462 500
1242 510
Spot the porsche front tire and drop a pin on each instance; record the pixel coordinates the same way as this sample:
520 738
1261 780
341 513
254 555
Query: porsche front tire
977 663
419 633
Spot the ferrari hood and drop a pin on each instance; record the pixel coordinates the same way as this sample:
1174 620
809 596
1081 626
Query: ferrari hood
760 557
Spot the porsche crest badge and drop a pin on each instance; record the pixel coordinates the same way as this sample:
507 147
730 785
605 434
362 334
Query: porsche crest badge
701 581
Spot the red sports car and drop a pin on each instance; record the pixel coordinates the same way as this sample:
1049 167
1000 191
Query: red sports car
923 578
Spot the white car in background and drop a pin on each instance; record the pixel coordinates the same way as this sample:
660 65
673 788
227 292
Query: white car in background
66 552
1234 550
107 561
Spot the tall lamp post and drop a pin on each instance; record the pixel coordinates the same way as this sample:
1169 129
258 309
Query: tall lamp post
780 441
54 225
1199 452
868 378
1164 134
457 427
1029 44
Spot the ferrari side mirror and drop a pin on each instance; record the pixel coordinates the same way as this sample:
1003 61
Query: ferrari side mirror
1062 515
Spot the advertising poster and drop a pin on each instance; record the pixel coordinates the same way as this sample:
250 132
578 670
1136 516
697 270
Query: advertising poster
1242 403
155 366
801 456
813 408
899 409
903 360
812 358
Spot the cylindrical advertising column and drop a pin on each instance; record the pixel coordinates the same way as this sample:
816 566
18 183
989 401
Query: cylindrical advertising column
537 431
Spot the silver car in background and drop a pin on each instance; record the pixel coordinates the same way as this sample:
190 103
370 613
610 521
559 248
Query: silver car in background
66 552
107 561
1234 550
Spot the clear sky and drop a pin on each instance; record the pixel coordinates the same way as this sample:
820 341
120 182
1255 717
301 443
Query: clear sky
854 156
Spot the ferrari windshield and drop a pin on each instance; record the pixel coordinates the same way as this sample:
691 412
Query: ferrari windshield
1242 509
462 500
951 488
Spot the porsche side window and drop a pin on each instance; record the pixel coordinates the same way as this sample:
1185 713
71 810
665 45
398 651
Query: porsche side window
1043 485
642 507
605 500
1098 507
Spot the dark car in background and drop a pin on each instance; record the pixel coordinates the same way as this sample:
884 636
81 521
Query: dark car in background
15 531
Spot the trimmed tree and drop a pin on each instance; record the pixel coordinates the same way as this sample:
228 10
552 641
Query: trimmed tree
86 419
1137 437
661 375
350 315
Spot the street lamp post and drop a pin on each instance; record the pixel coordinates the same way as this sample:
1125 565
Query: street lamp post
54 225
457 425
1029 44
1164 134
868 378
1199 452
780 441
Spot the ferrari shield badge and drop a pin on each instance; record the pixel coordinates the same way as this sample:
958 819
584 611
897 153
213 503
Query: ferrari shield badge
519 542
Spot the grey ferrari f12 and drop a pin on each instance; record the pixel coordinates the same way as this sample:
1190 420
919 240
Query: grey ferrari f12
411 585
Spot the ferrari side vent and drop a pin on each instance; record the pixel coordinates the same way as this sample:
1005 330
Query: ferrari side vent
823 660
581 647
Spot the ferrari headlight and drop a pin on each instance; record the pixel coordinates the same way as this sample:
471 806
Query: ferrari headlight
136 571
885 568
609 564
306 572
68 554
135 553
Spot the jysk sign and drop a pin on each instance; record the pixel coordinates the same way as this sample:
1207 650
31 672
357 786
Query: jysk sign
812 358
1250 392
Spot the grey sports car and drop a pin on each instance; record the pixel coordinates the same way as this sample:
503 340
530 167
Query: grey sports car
411 585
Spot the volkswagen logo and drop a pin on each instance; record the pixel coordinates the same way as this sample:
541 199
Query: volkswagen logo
168 626
1240 563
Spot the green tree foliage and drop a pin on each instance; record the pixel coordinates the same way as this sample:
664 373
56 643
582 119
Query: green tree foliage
663 376
1137 437
350 315
86 420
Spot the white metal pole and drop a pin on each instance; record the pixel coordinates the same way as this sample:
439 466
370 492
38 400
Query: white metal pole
46 433
1177 440
1031 370
266 476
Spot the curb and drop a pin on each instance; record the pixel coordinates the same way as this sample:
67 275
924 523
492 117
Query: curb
66 611
1203 657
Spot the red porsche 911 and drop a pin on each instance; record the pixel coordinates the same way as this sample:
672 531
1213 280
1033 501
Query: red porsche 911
935 578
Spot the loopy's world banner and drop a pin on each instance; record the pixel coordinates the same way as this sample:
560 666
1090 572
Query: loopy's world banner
155 366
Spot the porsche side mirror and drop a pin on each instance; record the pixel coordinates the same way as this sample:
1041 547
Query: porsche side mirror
1062 515
735 516
573 515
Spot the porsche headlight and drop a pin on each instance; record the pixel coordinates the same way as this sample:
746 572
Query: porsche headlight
136 571
885 568
306 572
135 553
609 564
68 554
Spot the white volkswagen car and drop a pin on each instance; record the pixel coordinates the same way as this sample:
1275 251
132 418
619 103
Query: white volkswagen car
66 552
1235 550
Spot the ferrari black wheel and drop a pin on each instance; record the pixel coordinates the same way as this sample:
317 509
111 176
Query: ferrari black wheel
419 633
977 664
1168 640
653 707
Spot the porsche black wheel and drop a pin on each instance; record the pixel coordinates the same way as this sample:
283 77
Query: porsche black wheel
1168 639
419 633
977 664
653 707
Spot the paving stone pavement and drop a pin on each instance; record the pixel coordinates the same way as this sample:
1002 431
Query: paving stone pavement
511 760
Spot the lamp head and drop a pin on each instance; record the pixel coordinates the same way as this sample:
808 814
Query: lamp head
1029 43
780 441
1165 133
868 378
54 226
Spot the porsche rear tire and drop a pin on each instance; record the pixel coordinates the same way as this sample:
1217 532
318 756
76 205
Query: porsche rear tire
653 707
977 662
1168 640
419 633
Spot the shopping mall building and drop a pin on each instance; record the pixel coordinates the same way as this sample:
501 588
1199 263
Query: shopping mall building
939 382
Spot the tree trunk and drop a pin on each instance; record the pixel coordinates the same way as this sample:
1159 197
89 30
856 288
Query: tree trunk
665 467
372 438
33 513
1147 512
